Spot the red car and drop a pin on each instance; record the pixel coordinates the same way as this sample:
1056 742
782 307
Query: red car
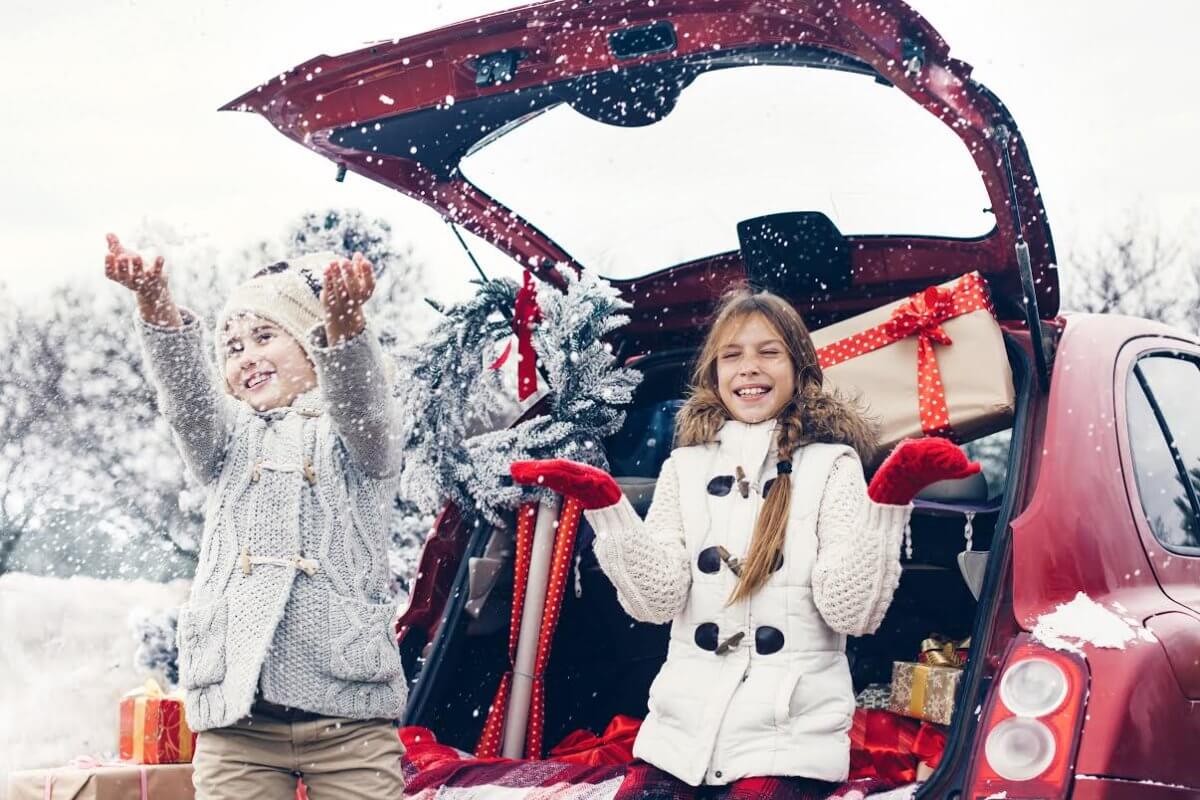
1063 696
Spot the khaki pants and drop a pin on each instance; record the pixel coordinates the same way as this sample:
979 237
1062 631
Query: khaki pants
262 755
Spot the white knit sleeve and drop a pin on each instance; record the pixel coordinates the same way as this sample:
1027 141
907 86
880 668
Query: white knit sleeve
647 561
858 552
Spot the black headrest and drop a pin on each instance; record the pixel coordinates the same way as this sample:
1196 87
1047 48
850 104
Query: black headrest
794 253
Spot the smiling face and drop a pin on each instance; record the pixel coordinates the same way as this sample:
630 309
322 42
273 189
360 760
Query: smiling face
755 373
264 365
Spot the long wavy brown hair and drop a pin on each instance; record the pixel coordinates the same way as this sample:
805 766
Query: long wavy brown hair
812 415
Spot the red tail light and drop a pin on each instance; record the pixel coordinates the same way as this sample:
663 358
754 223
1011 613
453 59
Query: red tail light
1030 730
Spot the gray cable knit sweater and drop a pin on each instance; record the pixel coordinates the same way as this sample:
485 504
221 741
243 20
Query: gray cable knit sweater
290 592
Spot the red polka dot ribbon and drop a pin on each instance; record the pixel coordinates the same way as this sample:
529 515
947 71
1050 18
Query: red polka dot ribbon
560 570
920 315
493 728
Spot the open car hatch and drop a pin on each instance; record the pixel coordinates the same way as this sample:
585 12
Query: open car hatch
406 113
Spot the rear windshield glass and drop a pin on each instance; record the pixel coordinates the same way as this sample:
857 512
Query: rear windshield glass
741 142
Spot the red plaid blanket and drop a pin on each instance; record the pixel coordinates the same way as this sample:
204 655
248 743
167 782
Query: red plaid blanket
493 779
436 771
643 782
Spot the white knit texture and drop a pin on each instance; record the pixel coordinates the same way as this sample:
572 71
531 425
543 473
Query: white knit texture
646 561
855 576
858 555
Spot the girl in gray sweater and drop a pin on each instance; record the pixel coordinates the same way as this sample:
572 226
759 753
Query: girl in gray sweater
286 651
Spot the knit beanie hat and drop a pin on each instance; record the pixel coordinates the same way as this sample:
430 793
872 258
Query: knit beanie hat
286 293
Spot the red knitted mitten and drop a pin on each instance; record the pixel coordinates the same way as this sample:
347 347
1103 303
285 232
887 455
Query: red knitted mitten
913 465
592 487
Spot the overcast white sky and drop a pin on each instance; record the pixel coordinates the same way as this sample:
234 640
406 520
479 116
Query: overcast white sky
109 118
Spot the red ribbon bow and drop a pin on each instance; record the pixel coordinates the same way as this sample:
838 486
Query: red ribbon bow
921 315
526 314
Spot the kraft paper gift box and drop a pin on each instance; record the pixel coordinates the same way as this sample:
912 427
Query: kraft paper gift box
103 781
931 364
154 728
923 691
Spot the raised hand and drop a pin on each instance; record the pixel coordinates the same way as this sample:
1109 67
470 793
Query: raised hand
148 283
348 285
592 487
916 463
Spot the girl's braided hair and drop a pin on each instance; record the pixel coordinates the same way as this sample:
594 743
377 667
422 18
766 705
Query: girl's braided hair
812 415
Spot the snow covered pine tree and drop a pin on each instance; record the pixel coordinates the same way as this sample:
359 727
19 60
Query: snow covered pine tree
448 393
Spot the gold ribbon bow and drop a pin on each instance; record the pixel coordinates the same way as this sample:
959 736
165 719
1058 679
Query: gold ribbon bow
937 651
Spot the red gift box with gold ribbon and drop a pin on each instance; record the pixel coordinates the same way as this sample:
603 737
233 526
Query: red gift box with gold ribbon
154 728
933 363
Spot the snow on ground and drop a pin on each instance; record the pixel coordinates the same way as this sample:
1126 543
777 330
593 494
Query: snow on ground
66 657
1084 621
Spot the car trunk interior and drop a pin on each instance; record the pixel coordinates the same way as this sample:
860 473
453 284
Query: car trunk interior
602 662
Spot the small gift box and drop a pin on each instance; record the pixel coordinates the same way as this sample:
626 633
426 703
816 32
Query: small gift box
931 364
924 691
90 779
881 747
874 696
154 728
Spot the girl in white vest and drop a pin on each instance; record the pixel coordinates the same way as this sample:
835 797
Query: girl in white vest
763 548
286 652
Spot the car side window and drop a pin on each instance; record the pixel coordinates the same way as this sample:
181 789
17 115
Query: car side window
1164 434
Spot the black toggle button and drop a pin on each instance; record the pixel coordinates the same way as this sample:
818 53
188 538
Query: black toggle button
707 634
777 562
767 488
720 485
709 560
768 640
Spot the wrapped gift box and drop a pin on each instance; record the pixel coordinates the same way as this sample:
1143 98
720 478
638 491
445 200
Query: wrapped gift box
933 364
109 781
154 728
874 696
923 691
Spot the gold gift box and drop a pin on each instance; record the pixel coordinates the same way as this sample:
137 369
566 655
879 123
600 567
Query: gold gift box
923 691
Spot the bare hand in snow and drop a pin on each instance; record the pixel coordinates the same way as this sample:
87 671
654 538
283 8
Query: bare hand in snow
149 283
348 284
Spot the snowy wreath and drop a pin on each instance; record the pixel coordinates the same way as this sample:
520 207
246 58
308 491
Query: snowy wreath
449 394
